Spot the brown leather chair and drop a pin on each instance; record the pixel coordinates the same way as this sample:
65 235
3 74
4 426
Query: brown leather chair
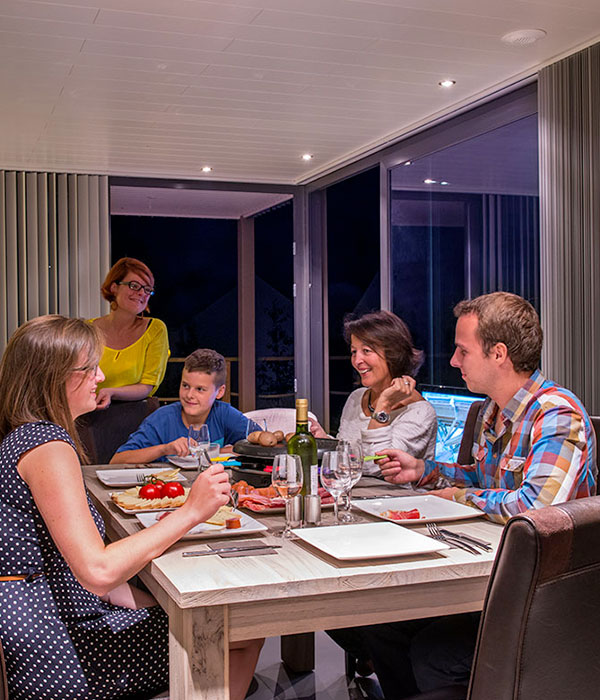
538 637
102 432
465 451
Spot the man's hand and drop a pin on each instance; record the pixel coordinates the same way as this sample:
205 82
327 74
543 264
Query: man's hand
178 447
398 467
447 493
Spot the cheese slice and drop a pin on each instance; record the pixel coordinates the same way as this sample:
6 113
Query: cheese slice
220 516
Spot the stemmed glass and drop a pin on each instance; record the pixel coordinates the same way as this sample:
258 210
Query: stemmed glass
335 477
198 440
286 477
355 460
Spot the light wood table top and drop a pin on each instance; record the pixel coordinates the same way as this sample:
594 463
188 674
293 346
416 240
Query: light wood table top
299 589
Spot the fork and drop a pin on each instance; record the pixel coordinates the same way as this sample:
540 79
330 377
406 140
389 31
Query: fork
434 531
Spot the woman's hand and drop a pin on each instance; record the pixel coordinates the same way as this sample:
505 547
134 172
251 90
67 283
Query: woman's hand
317 430
393 397
103 398
209 492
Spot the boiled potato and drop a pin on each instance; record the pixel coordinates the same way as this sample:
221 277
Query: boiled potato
278 435
253 437
267 439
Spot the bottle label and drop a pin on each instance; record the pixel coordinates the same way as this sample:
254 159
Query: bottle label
314 479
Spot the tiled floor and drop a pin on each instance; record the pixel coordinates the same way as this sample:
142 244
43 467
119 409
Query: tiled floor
327 682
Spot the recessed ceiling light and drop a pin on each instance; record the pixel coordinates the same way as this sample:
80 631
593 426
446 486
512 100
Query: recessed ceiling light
307 156
447 83
429 181
523 37
408 162
206 169
443 182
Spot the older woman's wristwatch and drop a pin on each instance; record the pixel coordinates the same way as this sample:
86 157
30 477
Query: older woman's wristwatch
381 416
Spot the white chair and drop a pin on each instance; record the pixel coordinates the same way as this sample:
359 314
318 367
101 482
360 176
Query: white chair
278 418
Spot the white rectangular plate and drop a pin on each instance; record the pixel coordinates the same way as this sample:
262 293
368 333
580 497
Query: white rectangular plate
128 477
189 462
369 541
204 530
432 508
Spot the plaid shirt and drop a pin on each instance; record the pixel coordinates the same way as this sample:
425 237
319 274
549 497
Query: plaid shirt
545 453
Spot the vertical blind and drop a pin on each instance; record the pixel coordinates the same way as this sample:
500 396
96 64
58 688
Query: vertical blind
54 246
569 114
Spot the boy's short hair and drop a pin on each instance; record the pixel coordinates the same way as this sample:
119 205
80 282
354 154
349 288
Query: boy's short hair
209 362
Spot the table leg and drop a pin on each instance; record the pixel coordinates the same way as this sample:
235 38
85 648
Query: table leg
198 653
298 652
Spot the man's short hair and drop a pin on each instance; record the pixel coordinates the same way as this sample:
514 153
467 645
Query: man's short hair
507 318
209 362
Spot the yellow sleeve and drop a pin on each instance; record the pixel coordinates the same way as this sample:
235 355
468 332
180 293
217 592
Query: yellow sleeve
157 355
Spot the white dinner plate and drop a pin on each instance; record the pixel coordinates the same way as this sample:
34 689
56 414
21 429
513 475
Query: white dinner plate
369 541
128 477
431 508
204 530
188 462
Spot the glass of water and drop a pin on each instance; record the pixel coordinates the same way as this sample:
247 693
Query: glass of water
199 440
335 477
355 461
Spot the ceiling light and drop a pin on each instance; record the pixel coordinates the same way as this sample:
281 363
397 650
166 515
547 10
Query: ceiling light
408 162
447 83
307 156
429 181
443 182
523 37
206 169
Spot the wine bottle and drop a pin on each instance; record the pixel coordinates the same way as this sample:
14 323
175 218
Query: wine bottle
303 444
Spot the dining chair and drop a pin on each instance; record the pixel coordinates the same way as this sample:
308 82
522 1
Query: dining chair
465 451
538 636
3 679
103 431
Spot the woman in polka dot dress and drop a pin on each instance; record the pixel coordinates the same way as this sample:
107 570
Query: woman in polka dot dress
63 638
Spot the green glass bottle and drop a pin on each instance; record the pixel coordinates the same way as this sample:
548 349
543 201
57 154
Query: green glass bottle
303 444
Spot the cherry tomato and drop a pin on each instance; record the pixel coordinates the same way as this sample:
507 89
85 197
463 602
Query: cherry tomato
173 489
150 491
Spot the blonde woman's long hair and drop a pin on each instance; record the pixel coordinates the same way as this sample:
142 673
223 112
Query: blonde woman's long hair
38 360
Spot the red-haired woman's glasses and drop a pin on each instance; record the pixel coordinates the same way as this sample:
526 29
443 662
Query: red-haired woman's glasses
137 287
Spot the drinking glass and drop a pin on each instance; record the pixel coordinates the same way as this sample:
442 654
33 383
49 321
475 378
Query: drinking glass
355 460
286 477
335 477
198 440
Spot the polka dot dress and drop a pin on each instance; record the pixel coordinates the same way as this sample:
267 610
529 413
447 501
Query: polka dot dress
62 642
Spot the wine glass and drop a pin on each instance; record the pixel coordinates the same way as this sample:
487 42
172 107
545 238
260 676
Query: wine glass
198 440
355 460
335 476
286 477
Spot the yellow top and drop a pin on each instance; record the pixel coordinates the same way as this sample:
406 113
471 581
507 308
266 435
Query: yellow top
142 362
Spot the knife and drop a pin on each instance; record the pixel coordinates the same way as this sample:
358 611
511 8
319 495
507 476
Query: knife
469 538
224 550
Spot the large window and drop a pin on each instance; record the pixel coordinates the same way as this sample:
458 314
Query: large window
464 222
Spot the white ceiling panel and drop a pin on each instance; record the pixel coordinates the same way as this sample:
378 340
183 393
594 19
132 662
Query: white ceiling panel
163 87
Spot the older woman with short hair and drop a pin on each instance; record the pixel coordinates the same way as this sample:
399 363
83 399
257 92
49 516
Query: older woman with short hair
386 411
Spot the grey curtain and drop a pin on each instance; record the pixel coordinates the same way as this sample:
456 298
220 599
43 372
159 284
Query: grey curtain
54 246
569 123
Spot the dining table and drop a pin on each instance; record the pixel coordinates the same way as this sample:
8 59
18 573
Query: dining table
213 601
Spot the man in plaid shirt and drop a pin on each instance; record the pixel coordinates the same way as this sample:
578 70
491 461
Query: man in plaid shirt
534 442
534 445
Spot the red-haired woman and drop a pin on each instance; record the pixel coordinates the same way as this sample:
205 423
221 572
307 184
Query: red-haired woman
136 347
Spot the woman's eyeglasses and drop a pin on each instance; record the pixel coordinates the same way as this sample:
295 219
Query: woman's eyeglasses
137 287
